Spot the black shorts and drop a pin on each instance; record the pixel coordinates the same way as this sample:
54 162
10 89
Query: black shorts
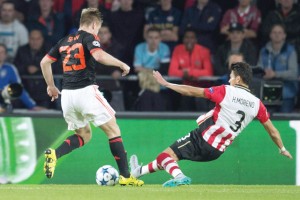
194 147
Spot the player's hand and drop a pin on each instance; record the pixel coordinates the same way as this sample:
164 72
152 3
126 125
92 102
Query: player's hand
53 92
125 68
287 154
159 78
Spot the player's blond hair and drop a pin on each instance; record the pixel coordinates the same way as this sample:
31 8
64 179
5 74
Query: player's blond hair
90 15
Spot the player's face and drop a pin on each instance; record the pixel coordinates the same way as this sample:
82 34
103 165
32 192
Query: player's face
96 27
277 34
2 54
7 12
233 79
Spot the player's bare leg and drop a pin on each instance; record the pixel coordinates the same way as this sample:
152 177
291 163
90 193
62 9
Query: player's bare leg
113 133
167 160
82 136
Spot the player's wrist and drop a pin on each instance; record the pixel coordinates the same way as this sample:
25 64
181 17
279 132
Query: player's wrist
122 65
282 149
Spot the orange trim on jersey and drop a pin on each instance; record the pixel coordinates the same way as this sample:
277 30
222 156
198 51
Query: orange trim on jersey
93 50
52 58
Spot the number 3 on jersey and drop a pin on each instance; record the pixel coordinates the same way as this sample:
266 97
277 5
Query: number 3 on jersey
238 123
74 59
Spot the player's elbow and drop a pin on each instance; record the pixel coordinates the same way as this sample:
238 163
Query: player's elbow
188 93
99 56
43 62
46 61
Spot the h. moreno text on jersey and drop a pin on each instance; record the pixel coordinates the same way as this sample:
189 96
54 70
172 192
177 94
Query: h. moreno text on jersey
243 102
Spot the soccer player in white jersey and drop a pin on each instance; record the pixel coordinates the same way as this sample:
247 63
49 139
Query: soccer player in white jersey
235 108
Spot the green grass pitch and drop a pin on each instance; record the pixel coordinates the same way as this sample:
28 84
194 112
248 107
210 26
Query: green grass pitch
199 192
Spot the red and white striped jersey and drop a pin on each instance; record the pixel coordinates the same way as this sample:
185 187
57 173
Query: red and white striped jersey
235 108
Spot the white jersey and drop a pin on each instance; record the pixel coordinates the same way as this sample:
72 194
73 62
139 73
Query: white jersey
235 108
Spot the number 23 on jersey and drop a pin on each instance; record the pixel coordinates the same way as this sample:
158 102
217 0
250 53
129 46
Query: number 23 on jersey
74 59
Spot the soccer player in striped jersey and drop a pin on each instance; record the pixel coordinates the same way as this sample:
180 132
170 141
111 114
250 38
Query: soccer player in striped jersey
81 100
235 108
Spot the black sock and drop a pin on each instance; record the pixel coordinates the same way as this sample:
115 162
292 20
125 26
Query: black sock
73 142
120 155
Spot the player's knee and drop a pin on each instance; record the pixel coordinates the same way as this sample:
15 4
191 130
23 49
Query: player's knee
85 133
87 136
160 158
111 130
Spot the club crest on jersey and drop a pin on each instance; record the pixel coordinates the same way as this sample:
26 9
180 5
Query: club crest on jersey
211 90
96 43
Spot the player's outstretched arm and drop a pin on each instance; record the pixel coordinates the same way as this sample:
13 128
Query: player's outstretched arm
107 59
274 134
48 76
182 89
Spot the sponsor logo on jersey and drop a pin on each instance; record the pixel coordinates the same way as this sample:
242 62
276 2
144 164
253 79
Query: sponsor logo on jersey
211 90
96 43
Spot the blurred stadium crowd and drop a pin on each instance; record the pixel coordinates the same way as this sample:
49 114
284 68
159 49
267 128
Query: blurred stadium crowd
186 39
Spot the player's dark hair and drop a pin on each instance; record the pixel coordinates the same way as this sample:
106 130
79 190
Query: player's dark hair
243 70
90 15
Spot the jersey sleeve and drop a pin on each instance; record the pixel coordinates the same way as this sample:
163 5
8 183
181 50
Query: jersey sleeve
54 54
215 94
92 43
262 114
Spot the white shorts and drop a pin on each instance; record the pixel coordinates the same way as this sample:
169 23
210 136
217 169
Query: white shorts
84 105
